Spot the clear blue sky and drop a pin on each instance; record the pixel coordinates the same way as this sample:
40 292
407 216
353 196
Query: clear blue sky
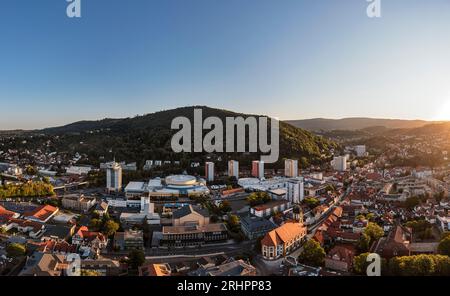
287 58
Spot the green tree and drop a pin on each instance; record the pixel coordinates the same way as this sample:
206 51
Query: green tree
110 227
136 258
95 223
234 223
313 254
311 202
15 250
85 272
364 242
374 231
2 230
360 263
420 265
225 206
370 216
444 246
258 198
412 202
30 170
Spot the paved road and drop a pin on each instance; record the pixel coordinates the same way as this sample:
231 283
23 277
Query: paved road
229 249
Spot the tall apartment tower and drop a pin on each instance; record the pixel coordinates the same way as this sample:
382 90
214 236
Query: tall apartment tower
233 168
291 168
209 171
360 150
295 190
258 169
113 177
339 163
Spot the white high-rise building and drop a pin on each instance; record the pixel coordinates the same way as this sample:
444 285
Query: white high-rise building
295 190
339 163
233 168
147 207
113 177
360 150
209 171
291 168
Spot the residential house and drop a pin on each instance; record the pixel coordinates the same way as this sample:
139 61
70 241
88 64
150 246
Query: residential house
340 258
45 264
90 242
397 243
101 208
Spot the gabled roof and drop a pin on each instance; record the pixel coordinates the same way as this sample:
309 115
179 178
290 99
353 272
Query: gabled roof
342 253
187 210
6 213
87 235
284 233
42 213
43 264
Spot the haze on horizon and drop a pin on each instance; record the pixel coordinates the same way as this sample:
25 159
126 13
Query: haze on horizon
292 59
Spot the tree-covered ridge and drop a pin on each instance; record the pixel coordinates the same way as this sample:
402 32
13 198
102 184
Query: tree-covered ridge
149 137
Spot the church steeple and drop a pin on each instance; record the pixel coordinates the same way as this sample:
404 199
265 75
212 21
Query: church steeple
298 213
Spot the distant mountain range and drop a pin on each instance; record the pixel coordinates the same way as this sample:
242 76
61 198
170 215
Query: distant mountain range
355 123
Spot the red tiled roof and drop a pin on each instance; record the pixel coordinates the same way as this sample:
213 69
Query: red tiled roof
26 223
284 233
343 252
318 236
85 234
43 212
5 212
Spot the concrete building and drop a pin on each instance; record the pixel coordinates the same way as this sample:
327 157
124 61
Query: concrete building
233 168
78 202
339 163
128 240
191 227
187 215
258 169
209 171
270 208
295 190
193 235
78 170
113 177
169 188
360 150
291 168
147 214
